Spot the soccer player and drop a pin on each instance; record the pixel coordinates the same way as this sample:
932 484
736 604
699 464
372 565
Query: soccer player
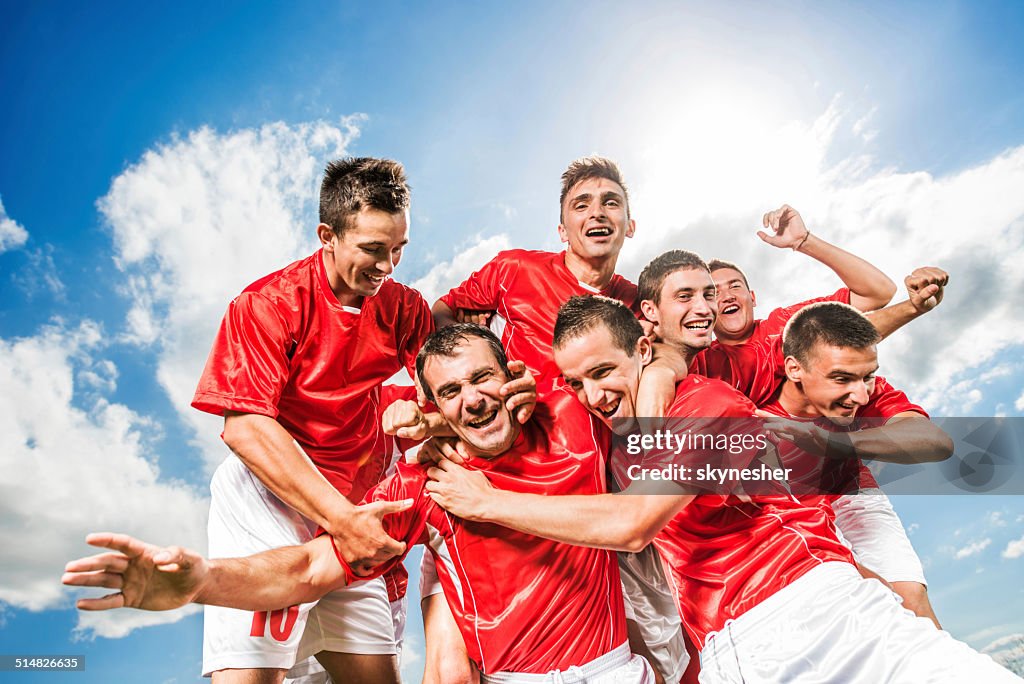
296 371
851 414
523 289
765 587
527 607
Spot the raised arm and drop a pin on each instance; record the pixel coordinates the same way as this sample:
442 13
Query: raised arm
925 289
272 455
621 522
870 289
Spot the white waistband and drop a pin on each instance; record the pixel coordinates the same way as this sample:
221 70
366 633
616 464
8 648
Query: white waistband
615 658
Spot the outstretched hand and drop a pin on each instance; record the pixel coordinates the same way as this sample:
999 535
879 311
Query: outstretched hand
787 228
145 576
462 492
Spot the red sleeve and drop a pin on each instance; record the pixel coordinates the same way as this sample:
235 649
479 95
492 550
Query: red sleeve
481 291
887 401
248 365
777 319
416 326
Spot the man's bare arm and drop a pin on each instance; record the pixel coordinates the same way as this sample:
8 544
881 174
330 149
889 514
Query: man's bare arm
443 314
620 522
149 577
907 437
272 455
870 289
925 289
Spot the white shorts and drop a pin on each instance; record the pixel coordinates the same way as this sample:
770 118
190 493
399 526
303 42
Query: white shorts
617 666
246 518
652 604
875 534
832 625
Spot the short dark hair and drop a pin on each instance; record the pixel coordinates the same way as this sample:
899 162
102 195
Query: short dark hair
443 341
355 183
586 168
583 313
719 264
832 323
654 274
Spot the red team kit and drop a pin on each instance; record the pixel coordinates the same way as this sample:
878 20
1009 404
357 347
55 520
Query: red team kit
790 583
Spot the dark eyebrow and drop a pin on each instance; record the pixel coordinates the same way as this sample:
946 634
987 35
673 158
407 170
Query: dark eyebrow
611 194
581 197
445 387
379 243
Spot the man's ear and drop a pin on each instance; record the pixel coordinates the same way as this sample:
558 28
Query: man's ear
645 350
794 371
753 298
649 310
326 235
563 234
630 228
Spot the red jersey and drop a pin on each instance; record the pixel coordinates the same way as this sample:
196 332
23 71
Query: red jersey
723 555
525 289
814 475
755 366
523 603
287 349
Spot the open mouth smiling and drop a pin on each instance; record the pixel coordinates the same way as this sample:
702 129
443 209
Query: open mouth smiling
483 421
600 231
730 309
608 410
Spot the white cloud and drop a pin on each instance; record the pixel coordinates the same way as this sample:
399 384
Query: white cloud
197 219
71 462
1019 404
447 274
972 549
970 222
12 234
912 528
1015 549
995 519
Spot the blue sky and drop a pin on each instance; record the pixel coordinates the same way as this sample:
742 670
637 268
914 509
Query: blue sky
156 159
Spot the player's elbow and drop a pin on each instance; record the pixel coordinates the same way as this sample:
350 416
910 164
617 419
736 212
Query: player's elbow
442 313
239 432
943 446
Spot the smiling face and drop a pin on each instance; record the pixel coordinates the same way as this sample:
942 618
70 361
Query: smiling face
736 302
466 389
684 315
364 254
604 377
595 219
835 381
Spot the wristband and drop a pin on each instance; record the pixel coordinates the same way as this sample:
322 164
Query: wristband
801 243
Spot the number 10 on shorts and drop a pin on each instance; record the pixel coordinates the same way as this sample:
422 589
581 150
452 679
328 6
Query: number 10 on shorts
281 621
